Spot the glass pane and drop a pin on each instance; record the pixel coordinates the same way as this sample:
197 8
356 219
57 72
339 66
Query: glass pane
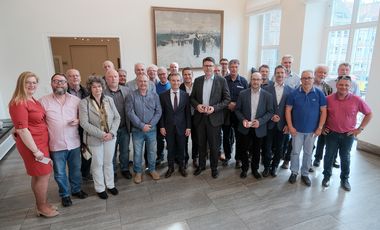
341 12
271 28
362 50
269 57
368 10
336 49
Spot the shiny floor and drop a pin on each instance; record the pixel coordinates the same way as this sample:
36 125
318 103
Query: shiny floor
203 202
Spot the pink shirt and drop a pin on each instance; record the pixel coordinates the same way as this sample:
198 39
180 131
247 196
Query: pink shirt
62 135
341 114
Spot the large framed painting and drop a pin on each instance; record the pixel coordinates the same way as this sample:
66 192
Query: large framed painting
187 36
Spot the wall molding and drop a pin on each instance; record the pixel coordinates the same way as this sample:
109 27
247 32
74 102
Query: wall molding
368 147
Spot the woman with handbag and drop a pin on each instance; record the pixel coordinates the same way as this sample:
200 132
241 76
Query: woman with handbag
100 120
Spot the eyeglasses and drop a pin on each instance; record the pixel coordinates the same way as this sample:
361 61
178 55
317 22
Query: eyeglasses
345 77
306 78
59 81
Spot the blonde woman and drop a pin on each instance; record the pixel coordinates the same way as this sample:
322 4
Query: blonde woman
100 120
31 134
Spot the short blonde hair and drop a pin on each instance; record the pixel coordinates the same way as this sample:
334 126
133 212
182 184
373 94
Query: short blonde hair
19 95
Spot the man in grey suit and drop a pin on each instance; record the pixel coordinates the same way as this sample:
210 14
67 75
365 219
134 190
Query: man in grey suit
210 95
254 108
277 124
119 95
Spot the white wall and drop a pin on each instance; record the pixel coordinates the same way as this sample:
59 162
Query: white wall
26 26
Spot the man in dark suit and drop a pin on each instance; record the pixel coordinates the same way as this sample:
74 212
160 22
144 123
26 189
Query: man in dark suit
254 108
175 123
210 95
277 124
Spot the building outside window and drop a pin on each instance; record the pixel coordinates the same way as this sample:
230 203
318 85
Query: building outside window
351 37
270 38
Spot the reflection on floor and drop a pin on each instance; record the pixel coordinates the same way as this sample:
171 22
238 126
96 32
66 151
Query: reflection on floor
202 202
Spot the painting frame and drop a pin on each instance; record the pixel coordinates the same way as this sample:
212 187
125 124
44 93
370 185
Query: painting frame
186 36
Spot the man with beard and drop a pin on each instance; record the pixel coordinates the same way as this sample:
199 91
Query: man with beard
64 142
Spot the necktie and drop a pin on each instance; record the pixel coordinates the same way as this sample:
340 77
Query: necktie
175 101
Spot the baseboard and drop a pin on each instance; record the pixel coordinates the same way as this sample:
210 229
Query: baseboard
370 148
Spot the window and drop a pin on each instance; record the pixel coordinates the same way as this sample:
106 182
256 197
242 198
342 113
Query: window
351 37
270 38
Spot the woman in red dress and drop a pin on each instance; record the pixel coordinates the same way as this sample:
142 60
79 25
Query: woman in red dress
31 134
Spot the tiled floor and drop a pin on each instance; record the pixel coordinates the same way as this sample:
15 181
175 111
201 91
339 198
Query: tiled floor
204 203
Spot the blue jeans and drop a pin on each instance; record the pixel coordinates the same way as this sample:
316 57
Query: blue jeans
72 157
343 143
138 139
301 141
123 139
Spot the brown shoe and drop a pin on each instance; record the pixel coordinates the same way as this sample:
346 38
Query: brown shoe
155 175
138 178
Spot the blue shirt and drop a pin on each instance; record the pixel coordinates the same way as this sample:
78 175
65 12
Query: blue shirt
306 108
143 110
236 86
160 88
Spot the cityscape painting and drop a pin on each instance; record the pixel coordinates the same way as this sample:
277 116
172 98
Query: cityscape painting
187 36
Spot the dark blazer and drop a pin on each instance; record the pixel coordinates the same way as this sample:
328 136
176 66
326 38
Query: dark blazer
124 91
263 114
179 119
279 108
219 99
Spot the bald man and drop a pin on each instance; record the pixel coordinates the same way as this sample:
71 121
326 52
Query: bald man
107 65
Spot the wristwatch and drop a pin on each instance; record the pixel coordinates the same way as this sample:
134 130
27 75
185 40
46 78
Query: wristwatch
361 128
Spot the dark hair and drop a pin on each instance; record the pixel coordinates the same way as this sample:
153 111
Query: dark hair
223 59
279 67
344 77
186 68
253 70
208 59
95 79
263 66
60 74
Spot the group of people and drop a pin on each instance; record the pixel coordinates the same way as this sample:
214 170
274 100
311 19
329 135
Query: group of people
88 130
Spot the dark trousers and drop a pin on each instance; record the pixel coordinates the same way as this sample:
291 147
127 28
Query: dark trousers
210 134
160 145
287 147
176 147
85 166
194 145
342 143
251 143
231 136
273 146
320 147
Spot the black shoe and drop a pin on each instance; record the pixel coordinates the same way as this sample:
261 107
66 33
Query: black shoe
185 165
256 174
336 164
273 171
285 165
126 174
311 169
182 171
169 172
87 178
292 178
195 163
225 162
80 194
214 173
66 201
115 177
198 171
158 162
306 180
345 185
103 195
326 182
238 164
243 174
265 173
113 191
316 163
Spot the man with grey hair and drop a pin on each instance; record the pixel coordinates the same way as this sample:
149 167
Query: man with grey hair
305 115
119 95
122 77
64 142
173 68
152 73
140 71
107 65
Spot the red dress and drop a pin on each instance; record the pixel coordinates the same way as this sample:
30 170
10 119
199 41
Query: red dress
31 115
